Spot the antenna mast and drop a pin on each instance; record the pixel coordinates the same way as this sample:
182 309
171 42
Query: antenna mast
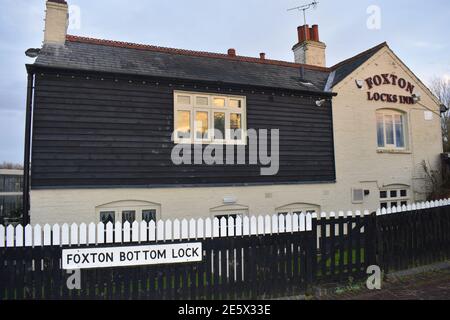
304 8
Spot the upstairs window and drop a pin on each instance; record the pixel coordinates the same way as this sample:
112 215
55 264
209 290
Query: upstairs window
209 118
391 130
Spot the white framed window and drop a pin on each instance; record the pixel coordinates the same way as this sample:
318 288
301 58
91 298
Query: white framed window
209 118
129 210
394 197
391 130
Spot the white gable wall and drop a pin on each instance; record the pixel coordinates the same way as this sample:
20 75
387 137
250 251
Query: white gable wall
359 164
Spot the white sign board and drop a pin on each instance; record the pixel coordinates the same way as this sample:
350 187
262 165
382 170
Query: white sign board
74 259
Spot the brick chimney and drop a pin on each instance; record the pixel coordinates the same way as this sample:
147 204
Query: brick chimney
309 50
56 22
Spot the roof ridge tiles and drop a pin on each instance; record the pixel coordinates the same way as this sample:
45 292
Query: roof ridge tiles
205 54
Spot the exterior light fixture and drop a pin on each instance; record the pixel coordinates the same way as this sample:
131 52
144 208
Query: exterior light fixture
359 83
32 52
416 97
443 108
320 102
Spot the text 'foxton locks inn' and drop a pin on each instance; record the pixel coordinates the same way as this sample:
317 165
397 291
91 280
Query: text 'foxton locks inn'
112 122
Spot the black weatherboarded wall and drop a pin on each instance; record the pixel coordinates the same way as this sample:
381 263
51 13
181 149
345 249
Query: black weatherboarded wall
93 131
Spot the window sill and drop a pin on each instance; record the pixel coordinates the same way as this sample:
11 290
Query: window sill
394 151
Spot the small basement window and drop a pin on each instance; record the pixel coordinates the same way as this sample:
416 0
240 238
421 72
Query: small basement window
209 118
397 197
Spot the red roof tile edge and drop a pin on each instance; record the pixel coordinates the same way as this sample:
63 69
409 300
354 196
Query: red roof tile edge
193 53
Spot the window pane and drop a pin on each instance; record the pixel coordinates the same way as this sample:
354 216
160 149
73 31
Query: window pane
236 125
380 130
183 124
384 205
129 216
219 102
399 134
106 217
149 215
235 103
184 100
394 193
383 194
201 119
202 101
403 193
389 123
219 125
404 203
393 204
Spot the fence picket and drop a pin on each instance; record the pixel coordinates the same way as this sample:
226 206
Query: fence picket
135 232
2 236
47 235
295 223
28 236
281 223
308 222
302 225
267 224
246 226
261 230
19 235
109 232
176 229
208 228
118 232
274 224
10 236
184 229
253 226
167 230
231 226
92 237
238 226
74 234
288 223
200 228
100 233
37 236
126 232
152 231
83 234
192 229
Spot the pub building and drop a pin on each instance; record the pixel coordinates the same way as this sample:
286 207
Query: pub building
101 114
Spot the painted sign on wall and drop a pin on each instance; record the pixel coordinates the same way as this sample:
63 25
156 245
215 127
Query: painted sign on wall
74 259
393 80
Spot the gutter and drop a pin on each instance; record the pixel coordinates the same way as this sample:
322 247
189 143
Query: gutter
27 148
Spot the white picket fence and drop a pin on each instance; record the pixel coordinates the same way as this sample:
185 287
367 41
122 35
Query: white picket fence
168 230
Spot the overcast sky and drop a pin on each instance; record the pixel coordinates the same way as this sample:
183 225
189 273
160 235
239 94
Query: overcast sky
416 30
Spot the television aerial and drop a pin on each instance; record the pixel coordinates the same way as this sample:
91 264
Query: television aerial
305 7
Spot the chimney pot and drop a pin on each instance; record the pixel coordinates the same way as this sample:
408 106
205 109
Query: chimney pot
303 33
232 52
262 56
315 32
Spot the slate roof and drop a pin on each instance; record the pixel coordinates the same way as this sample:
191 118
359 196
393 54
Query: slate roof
346 67
118 57
89 54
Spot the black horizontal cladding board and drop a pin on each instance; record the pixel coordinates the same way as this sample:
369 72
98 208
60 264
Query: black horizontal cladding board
89 131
